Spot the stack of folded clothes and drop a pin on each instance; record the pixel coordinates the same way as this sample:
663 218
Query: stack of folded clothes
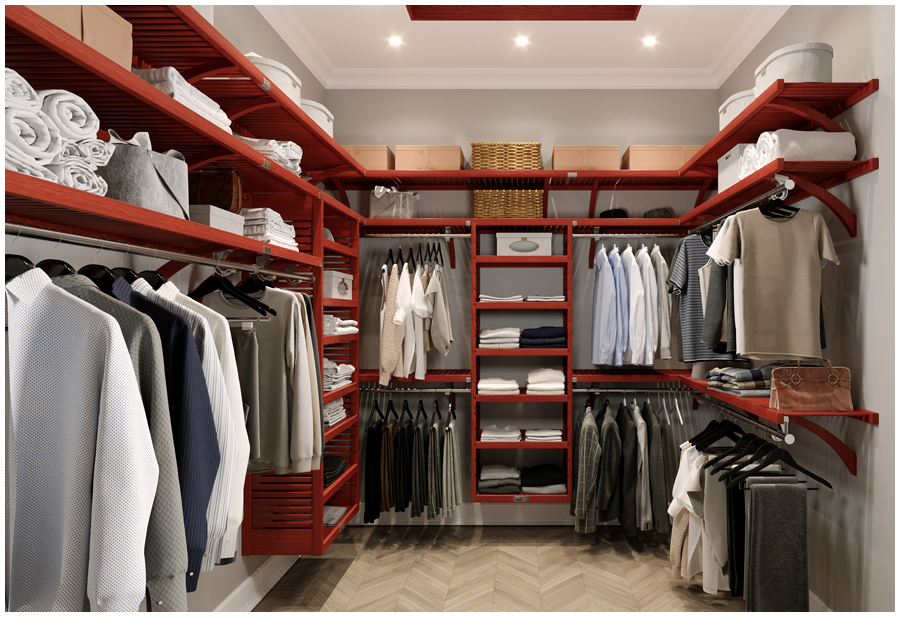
332 325
499 480
335 375
332 468
498 386
285 153
501 338
545 299
266 225
546 479
546 382
543 434
547 337
743 381
487 298
495 433
332 515
167 79
334 412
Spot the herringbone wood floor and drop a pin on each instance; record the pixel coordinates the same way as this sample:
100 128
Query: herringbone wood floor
450 568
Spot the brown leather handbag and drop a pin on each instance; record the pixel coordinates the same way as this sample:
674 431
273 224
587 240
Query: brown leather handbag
810 388
217 187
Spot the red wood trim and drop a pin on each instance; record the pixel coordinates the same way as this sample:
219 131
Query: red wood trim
844 214
847 455
451 253
250 106
213 67
866 91
246 531
546 195
804 111
329 174
701 194
341 191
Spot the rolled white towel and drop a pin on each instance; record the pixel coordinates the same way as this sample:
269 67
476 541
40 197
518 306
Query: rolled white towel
70 113
31 133
545 375
96 151
20 91
292 151
80 174
765 149
748 162
26 165
793 145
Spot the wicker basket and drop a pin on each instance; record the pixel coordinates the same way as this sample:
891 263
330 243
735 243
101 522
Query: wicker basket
505 204
506 155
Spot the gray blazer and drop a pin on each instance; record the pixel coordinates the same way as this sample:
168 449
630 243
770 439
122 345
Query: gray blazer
609 497
657 470
628 472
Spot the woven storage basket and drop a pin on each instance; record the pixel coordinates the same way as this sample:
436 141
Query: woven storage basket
504 204
506 155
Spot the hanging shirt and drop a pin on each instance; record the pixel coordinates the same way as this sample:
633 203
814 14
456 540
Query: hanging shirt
441 336
637 318
651 311
644 506
420 311
81 472
588 465
443 281
622 318
429 303
603 333
391 361
403 317
664 304
451 480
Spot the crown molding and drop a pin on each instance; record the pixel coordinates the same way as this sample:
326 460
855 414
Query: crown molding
748 36
289 27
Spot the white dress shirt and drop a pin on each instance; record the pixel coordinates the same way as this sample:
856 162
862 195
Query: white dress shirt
664 303
420 311
603 344
637 320
81 472
403 317
651 311
221 335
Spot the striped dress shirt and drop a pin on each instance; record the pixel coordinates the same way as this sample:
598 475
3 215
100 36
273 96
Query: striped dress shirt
604 319
637 325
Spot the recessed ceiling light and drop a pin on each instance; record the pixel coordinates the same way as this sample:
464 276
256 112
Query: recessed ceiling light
650 41
395 41
522 41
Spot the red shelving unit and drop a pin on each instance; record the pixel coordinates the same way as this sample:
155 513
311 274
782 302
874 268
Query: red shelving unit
432 376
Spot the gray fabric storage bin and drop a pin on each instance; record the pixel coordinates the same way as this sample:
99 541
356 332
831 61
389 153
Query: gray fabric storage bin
148 179
393 205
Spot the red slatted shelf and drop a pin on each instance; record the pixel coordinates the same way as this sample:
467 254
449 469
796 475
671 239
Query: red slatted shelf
433 376
648 375
522 306
333 247
479 498
648 227
519 398
520 445
340 338
521 352
517 262
421 226
334 532
333 431
339 303
333 395
332 488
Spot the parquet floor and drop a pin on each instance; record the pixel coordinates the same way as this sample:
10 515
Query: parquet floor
451 568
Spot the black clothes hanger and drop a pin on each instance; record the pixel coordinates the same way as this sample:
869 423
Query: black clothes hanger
450 410
56 267
400 261
251 285
777 455
390 258
726 429
709 427
102 276
391 411
128 274
153 277
404 410
435 410
377 409
218 283
744 442
707 236
16 265
776 208
421 410
759 453
421 261
440 254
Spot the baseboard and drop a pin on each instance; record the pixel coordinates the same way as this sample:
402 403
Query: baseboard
255 587
816 605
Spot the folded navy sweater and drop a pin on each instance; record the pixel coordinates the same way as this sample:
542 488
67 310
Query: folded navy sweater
544 332
557 340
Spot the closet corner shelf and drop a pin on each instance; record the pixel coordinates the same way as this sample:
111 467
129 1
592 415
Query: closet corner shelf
336 339
423 226
339 303
548 261
334 532
435 376
522 306
648 375
335 486
333 431
522 352
333 395
331 246
479 498
642 226
522 397
520 445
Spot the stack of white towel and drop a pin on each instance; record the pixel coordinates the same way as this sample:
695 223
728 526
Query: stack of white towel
285 153
793 145
543 434
487 298
168 80
336 326
266 225
52 135
546 382
336 375
546 299
334 412
495 433
501 338
498 386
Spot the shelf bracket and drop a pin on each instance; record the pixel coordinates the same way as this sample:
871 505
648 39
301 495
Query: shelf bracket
844 214
250 106
340 189
329 174
198 73
207 156
451 249
546 194
592 252
843 450
701 194
817 118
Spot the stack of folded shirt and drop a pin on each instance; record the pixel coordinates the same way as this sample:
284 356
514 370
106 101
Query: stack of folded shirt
487 298
167 79
544 480
334 412
499 480
545 299
285 153
543 434
494 433
332 325
547 337
335 375
498 386
546 382
332 515
501 338
743 381
332 468
266 225
292 153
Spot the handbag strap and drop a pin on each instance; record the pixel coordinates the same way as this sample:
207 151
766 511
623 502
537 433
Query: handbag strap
833 379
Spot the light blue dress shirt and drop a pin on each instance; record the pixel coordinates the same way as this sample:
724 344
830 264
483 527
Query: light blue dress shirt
604 318
615 263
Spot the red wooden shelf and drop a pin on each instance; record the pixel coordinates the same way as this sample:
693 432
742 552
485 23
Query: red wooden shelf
548 261
341 249
648 375
649 227
425 226
333 431
520 445
335 486
519 398
522 306
434 376
479 498
334 532
339 303
336 339
333 395
521 352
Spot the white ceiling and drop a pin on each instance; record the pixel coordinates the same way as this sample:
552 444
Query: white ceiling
347 47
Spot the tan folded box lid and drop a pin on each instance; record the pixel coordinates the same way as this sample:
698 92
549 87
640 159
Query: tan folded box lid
663 158
372 157
430 158
585 157
98 26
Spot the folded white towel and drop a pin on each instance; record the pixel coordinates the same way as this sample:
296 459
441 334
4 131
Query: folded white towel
547 385
546 375
500 333
546 298
507 439
498 345
498 341
292 151
498 472
497 382
31 133
185 94
748 162
335 386
560 392
70 113
171 74
268 214
509 392
345 330
557 438
20 91
486 298
543 432
804 146
25 165
80 174
285 231
550 489
274 239
495 431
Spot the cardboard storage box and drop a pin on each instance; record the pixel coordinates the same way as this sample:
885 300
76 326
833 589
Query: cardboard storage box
337 285
372 157
430 157
524 243
657 157
585 157
217 218
98 26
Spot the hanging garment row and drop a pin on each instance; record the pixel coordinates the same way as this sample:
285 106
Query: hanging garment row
415 317
135 410
412 462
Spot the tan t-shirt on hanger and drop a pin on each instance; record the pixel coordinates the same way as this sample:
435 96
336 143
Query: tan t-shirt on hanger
781 281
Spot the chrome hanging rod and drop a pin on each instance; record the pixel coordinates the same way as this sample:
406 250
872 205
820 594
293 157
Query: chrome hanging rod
417 390
627 390
134 249
740 416
635 235
434 236
785 185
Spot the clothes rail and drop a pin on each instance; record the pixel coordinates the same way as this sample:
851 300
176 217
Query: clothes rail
788 439
134 249
648 234
365 235
417 390
628 390
785 186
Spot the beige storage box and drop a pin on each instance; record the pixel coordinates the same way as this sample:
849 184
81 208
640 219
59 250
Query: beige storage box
524 243
570 158
97 26
665 158
372 157
730 166
430 157
217 218
337 285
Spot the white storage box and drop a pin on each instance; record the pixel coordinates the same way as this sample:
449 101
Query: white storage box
280 75
320 115
523 243
735 104
217 218
730 166
337 285
804 62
